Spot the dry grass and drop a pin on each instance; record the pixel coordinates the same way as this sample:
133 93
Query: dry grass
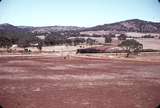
54 82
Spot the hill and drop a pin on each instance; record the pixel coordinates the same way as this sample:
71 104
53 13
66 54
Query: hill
9 28
50 29
134 25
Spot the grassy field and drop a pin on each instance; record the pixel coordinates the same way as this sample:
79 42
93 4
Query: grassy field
150 43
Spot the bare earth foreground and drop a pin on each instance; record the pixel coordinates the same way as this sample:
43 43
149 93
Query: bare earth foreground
55 82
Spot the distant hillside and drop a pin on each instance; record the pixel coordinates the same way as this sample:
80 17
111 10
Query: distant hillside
49 29
12 31
134 25
22 35
9 28
15 34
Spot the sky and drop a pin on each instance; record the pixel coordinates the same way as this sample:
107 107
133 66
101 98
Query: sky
83 13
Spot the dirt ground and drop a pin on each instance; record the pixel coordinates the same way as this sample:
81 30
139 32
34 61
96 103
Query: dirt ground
78 82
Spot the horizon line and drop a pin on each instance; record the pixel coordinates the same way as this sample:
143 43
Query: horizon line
79 26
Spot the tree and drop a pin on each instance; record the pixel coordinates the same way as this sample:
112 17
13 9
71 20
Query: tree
5 42
90 41
77 41
69 41
36 42
55 38
122 37
24 43
39 46
108 39
131 46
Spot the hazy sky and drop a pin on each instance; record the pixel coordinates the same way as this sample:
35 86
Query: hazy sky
76 12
